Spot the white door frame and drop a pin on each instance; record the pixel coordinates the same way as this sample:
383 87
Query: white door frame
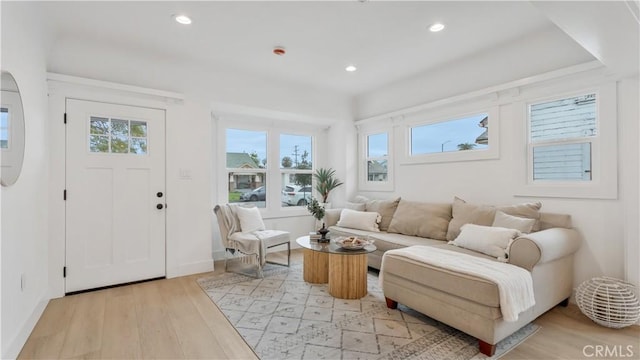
62 87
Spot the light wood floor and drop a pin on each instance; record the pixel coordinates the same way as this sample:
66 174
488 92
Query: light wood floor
175 319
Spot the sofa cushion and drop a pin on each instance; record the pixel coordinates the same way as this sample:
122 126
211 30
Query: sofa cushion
521 224
492 241
355 206
383 240
466 213
386 209
422 219
359 220
462 285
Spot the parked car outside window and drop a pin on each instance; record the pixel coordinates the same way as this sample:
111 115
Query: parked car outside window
294 195
258 194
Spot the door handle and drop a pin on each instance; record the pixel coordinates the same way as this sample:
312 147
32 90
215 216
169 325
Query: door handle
159 194
159 206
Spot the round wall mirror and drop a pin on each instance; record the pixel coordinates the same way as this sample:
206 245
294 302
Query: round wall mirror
11 130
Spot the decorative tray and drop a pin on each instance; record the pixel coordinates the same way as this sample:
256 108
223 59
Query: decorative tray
352 243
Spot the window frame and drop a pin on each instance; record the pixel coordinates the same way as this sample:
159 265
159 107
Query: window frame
287 171
604 157
274 128
364 183
428 118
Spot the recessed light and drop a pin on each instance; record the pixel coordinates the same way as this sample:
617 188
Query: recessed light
436 27
351 68
182 19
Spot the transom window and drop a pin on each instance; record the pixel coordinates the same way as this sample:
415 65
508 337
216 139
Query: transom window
463 134
561 136
117 136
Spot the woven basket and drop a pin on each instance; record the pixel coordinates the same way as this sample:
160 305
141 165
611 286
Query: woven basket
609 302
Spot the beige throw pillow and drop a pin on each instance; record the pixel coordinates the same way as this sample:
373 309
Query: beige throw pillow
465 213
360 220
250 219
521 224
386 209
493 241
422 219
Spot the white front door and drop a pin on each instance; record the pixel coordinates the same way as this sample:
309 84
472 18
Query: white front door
115 194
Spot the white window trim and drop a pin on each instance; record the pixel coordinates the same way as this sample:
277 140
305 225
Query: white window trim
273 128
604 157
492 152
363 182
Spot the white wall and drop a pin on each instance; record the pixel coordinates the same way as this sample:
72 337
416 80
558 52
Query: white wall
608 226
24 205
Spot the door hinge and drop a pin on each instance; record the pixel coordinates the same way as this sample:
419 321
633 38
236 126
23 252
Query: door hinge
64 195
64 272
65 118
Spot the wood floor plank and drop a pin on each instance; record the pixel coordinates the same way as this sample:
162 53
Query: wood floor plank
121 338
47 338
158 339
233 345
84 334
195 337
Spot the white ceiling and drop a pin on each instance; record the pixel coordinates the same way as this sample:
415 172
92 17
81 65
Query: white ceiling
388 41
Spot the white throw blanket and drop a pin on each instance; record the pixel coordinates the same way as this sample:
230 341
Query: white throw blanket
515 284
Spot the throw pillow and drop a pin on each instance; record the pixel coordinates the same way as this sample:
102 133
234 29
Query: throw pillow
465 213
493 241
386 209
250 219
521 224
360 220
422 219
355 206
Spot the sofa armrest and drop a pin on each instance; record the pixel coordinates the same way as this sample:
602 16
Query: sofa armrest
331 217
543 246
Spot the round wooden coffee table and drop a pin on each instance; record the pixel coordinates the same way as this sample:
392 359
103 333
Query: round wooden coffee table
344 270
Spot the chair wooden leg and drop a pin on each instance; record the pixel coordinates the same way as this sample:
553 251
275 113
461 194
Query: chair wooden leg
486 348
391 304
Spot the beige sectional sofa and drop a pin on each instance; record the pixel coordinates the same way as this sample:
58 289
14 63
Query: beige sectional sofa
467 302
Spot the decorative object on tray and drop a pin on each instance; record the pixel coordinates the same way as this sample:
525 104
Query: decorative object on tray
352 243
317 211
609 302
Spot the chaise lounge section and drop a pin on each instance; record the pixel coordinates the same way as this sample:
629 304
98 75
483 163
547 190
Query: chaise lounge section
462 300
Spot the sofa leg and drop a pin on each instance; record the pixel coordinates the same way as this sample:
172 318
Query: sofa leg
564 303
486 348
391 304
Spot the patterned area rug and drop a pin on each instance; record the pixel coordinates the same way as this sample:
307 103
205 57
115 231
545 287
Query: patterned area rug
283 317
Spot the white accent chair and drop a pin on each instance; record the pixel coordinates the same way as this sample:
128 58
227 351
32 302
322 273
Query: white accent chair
248 247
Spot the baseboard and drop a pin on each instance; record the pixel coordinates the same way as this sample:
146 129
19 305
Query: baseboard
218 255
15 346
193 268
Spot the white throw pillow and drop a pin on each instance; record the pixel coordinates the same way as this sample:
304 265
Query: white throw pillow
360 220
493 241
503 220
250 219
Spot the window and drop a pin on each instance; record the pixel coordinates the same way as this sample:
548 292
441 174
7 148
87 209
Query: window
445 136
572 144
296 169
117 136
377 157
468 133
4 128
375 160
246 159
561 134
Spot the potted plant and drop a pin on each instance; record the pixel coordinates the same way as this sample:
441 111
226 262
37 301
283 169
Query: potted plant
325 182
318 212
